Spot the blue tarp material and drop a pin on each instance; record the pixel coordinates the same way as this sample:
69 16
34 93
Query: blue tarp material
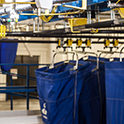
57 94
56 89
114 80
92 97
8 55
114 87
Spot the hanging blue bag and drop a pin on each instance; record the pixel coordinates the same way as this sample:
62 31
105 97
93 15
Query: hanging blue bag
8 55
114 81
92 97
59 89
112 75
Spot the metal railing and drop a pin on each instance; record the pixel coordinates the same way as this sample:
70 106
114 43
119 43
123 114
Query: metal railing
17 90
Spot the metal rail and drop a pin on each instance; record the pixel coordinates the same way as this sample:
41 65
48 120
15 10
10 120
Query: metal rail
90 32
56 42
17 90
58 1
28 34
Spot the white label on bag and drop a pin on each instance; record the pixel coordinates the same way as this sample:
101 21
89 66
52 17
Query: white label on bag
44 111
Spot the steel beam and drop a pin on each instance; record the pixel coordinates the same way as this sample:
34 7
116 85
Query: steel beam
26 41
26 34
56 42
18 90
63 1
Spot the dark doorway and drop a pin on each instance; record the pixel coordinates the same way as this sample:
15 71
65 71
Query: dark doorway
21 70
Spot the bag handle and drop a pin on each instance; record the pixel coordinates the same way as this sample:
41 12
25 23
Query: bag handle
72 52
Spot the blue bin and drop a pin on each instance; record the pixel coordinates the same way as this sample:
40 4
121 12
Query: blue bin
59 90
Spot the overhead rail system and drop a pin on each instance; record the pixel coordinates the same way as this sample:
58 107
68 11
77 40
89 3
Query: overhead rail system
61 11
79 15
83 19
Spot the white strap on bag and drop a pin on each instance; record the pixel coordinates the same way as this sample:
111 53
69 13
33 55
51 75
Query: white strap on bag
45 4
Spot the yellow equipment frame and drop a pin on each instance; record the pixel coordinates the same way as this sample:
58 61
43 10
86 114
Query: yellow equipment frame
115 43
79 42
121 12
2 31
107 43
3 2
88 43
69 42
76 22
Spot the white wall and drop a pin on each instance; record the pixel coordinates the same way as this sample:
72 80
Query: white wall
2 84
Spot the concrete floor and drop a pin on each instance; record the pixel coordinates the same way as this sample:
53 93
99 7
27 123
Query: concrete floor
20 115
19 105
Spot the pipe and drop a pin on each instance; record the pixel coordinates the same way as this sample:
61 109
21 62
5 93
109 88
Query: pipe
31 34
27 41
105 24
63 1
111 23
94 25
62 32
34 24
121 54
45 42
19 7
